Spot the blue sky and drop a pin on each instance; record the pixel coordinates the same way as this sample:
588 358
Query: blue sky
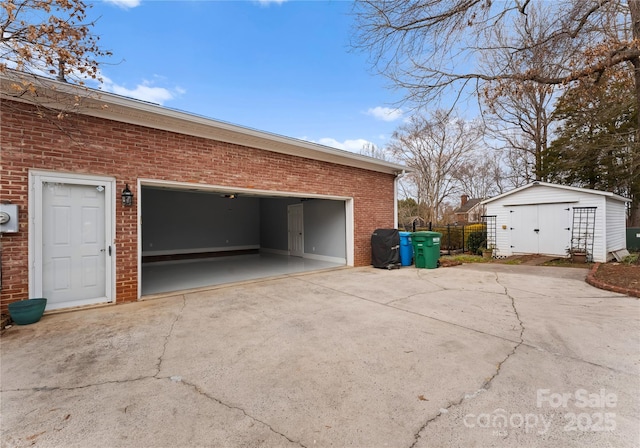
278 66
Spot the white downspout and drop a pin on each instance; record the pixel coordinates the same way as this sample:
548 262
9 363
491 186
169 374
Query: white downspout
399 176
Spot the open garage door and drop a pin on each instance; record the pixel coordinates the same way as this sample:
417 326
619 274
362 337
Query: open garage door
199 238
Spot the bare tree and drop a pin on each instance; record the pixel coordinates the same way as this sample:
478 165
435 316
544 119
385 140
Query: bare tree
45 39
371 150
481 175
435 147
520 111
407 212
518 164
431 47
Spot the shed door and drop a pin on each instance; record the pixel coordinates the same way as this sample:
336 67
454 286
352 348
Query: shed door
555 229
540 229
524 229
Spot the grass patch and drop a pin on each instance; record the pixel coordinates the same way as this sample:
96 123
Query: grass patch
567 263
465 258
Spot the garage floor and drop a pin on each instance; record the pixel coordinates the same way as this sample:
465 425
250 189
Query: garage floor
467 356
161 277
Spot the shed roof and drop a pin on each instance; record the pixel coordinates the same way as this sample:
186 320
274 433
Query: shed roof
123 109
538 183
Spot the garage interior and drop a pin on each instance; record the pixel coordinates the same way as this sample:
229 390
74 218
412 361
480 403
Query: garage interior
197 238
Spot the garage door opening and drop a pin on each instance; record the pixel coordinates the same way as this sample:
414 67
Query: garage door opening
198 238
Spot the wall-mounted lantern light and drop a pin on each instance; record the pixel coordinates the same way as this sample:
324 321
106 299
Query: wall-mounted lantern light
127 197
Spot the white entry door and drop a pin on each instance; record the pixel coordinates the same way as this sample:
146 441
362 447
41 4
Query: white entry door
296 230
73 244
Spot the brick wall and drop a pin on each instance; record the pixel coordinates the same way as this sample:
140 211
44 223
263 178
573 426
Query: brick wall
88 145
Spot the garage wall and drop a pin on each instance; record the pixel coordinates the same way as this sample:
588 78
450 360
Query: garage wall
175 222
274 226
324 228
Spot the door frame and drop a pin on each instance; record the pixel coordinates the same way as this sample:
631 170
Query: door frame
36 180
150 182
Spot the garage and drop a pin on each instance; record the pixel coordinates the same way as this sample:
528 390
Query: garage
198 238
124 199
557 220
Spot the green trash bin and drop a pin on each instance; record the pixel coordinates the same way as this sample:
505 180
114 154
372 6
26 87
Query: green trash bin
426 249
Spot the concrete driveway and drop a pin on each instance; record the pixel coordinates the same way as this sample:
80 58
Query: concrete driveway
476 355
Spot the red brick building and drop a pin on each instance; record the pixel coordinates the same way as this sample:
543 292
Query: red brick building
202 186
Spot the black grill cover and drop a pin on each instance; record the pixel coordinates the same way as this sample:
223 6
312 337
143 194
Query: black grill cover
385 248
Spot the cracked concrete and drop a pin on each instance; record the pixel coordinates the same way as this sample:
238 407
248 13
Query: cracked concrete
168 335
487 383
352 357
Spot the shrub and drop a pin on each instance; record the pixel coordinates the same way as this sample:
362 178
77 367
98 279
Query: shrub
476 242
471 228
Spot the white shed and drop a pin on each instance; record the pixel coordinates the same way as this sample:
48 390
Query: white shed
550 219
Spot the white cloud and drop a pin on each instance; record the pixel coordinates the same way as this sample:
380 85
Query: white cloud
124 4
145 91
385 113
347 145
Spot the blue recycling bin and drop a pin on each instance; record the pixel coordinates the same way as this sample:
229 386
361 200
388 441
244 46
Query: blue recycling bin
406 249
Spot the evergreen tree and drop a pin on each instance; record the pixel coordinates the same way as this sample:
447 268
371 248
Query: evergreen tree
596 145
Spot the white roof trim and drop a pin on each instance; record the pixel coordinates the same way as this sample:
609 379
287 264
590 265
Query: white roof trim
109 106
562 187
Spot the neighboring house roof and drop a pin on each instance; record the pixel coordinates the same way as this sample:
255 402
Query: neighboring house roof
466 208
101 104
561 187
